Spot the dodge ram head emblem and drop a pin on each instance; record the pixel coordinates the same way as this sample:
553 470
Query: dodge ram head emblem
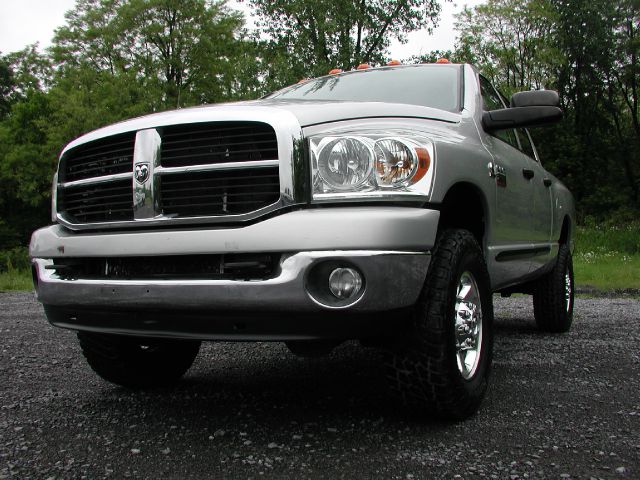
142 172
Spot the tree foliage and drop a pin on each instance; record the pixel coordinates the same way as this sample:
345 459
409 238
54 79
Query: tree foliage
179 49
115 59
587 50
316 36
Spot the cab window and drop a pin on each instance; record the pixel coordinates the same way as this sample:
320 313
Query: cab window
527 144
491 101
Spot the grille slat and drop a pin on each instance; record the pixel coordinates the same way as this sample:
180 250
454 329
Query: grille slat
214 143
177 143
97 203
77 160
217 195
208 182
107 156
219 192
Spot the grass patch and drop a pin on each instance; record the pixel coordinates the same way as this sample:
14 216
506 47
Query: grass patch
15 280
607 271
608 257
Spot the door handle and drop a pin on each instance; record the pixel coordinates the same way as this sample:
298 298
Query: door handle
527 173
547 182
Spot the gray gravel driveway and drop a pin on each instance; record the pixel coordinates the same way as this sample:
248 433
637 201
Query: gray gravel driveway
559 406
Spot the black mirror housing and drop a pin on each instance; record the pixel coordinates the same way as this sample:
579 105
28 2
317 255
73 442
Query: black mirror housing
516 117
535 98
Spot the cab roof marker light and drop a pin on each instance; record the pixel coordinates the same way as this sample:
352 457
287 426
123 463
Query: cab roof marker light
334 71
363 66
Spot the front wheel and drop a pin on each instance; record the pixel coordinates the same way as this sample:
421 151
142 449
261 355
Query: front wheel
441 367
136 362
553 295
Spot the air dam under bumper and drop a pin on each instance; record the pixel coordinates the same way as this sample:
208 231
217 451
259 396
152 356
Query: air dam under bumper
351 237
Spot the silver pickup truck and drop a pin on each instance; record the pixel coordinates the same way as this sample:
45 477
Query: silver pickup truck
383 204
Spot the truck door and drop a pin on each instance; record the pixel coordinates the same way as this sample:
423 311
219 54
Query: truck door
514 210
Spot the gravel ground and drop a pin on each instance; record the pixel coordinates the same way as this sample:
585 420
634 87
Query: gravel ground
559 406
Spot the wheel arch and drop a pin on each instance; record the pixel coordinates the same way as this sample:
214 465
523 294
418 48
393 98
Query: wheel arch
465 206
565 231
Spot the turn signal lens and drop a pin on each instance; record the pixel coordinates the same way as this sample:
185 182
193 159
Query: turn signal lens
424 162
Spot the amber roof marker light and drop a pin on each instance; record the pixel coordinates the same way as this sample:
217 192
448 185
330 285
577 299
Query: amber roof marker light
391 63
334 71
363 66
443 60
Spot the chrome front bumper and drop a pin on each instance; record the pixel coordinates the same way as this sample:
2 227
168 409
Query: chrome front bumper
392 280
390 246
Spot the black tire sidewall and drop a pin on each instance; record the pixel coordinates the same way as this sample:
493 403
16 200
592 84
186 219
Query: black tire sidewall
470 261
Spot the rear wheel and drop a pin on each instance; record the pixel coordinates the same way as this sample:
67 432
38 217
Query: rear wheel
553 295
137 362
441 367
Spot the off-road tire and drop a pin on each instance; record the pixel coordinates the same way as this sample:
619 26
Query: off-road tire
552 299
135 362
422 369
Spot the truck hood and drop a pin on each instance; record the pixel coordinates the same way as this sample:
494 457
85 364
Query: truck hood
315 112
303 112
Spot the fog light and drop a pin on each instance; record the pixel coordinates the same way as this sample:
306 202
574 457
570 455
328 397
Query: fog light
345 283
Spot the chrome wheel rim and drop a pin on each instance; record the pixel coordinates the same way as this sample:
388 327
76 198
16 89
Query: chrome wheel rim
468 325
568 288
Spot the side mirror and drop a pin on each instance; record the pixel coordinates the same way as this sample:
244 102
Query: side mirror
528 109
536 98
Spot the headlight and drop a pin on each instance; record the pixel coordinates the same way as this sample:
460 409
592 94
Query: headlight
399 163
370 165
345 163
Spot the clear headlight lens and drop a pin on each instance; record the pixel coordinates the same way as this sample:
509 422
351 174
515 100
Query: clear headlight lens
345 163
370 165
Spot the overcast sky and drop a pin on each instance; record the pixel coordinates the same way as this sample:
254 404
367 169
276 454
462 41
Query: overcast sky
23 22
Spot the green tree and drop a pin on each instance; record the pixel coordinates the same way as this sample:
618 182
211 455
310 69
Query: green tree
510 41
587 50
26 166
6 87
181 52
308 38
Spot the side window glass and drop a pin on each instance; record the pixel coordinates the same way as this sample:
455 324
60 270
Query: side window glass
492 101
490 97
525 141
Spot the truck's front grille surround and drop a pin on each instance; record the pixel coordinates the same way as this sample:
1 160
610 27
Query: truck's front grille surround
194 170
235 266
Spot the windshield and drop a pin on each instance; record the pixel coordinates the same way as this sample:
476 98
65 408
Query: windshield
434 86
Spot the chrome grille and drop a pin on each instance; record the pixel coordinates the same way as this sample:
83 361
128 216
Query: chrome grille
101 202
219 192
108 156
211 143
190 170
